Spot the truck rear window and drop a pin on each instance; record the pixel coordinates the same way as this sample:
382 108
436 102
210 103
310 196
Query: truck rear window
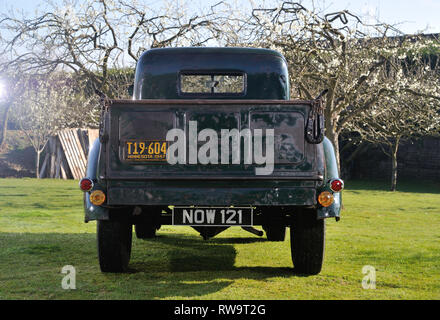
212 84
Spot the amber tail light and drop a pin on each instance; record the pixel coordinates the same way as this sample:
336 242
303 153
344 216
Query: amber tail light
97 197
326 199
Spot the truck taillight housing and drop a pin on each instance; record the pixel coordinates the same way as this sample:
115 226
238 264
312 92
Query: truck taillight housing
86 184
337 185
97 197
326 199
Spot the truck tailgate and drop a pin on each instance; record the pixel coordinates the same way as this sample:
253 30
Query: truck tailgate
133 126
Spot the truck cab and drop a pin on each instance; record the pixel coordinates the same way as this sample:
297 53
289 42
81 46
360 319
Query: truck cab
212 140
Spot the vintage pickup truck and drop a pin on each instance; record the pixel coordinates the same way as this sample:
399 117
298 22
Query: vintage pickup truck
212 140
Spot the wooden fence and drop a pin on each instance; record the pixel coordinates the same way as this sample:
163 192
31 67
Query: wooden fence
66 154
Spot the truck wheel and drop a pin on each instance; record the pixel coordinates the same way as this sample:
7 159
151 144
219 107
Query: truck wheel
145 231
275 233
114 244
307 242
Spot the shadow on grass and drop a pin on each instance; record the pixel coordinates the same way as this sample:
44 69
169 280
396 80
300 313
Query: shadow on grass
192 254
17 163
171 265
237 240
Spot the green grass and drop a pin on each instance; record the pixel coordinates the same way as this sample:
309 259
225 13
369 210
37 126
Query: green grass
42 230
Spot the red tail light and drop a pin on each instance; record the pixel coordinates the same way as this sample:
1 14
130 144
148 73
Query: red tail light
86 184
337 185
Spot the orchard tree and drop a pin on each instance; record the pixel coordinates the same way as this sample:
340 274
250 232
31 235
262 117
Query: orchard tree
342 53
96 36
393 121
10 87
403 114
40 110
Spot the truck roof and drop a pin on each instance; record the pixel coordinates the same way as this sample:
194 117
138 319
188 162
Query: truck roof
159 72
213 50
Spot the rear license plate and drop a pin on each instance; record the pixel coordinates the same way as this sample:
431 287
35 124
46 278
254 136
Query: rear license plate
214 217
145 150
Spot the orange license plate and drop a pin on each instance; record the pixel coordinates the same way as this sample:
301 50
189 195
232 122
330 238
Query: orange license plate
145 150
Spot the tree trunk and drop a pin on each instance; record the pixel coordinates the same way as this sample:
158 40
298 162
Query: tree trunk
331 122
333 136
37 164
4 132
394 150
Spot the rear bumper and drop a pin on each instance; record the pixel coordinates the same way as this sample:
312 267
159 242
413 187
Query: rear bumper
209 195
162 193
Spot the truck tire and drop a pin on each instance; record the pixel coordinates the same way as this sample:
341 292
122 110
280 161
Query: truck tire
275 233
114 244
307 242
145 231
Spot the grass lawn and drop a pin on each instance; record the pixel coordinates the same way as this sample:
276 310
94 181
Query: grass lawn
42 230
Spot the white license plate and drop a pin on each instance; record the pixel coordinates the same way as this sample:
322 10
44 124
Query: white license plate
213 216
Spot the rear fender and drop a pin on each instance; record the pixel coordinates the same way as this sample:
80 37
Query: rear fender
91 211
331 172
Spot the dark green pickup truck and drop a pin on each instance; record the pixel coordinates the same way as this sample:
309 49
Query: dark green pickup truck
212 140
